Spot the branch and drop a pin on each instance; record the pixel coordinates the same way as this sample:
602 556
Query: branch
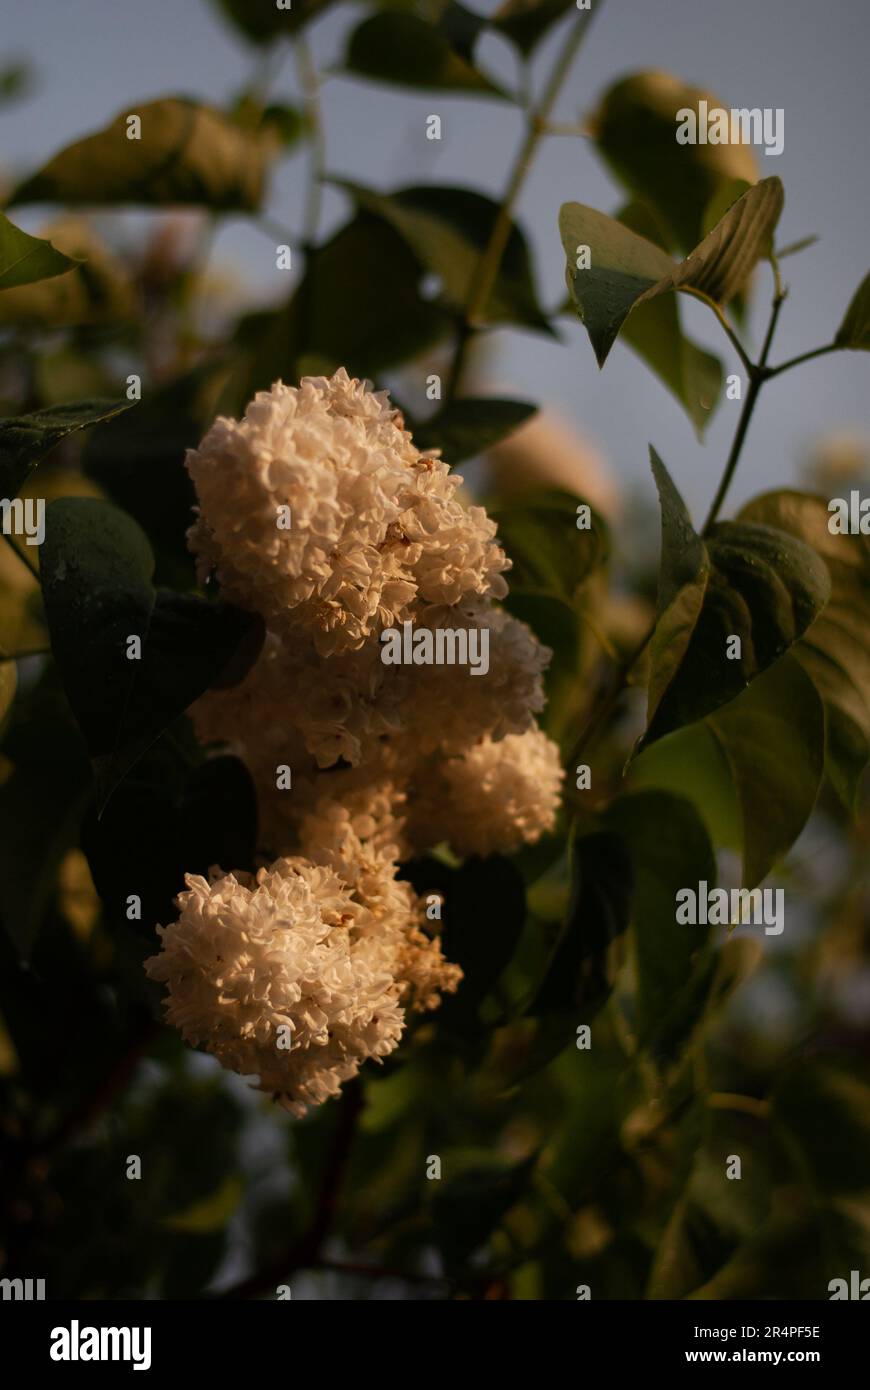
305 1252
489 264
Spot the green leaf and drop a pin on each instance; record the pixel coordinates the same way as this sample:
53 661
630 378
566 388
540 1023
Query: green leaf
211 1213
25 259
484 915
684 570
398 47
826 1111
26 439
526 22
670 849
358 305
773 738
448 230
654 331
626 270
39 814
551 557
138 461
469 1205
188 154
580 972
96 569
835 652
469 426
263 21
635 131
763 586
854 331
97 290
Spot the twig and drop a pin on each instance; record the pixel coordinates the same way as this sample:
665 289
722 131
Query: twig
489 264
305 1253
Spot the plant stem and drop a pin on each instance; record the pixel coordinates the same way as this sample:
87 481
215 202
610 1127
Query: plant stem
757 377
758 374
310 84
804 357
489 264
748 364
305 1253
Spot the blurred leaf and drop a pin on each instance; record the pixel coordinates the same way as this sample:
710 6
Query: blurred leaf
854 331
210 1213
690 762
99 290
138 460
469 1206
484 914
287 121
551 557
399 47
763 586
691 374
684 570
263 21
627 270
525 22
826 1112
669 955
175 821
773 737
635 130
579 975
26 439
96 570
358 305
188 153
16 81
469 426
795 246
25 259
835 651
448 230
41 803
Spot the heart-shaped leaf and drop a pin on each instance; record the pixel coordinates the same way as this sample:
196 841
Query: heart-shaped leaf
448 230
717 631
182 152
626 270
773 739
96 567
24 258
634 129
396 46
669 849
854 331
26 439
835 651
470 426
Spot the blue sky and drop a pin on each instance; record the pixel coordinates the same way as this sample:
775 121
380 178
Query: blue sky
94 57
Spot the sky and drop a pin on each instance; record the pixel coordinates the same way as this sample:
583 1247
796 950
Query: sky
94 57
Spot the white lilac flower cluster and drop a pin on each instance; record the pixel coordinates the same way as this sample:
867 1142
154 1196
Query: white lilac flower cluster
317 512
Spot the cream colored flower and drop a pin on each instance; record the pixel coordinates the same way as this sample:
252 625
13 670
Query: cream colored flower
493 798
372 524
288 974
